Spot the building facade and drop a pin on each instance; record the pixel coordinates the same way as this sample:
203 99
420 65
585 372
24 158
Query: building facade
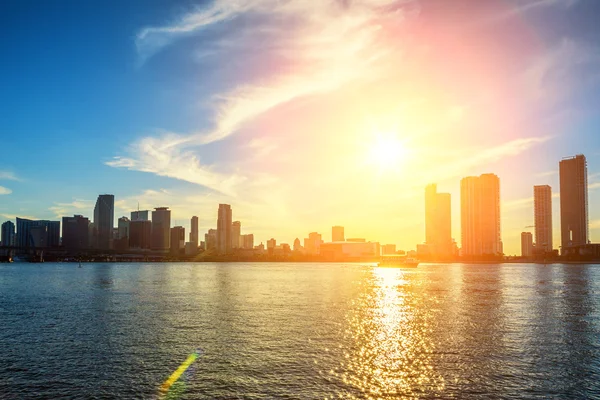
40 233
104 216
574 228
526 244
224 229
337 234
140 234
210 240
161 228
312 244
194 238
438 221
542 206
75 232
140 215
8 236
177 239
236 229
247 241
480 216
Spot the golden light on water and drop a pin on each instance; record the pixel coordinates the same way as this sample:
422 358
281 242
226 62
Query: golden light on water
392 352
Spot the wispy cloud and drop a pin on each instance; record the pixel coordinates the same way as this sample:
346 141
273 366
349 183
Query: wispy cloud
77 206
7 175
4 190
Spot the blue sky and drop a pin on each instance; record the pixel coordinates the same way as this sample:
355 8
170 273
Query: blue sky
272 106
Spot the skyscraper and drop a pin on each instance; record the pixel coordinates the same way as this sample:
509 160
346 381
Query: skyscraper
8 234
194 231
480 215
542 205
574 229
104 215
75 232
236 228
139 215
526 244
37 233
224 229
140 234
312 244
210 239
337 234
161 228
438 221
177 239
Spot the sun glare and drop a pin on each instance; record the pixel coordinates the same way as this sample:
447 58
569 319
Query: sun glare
387 152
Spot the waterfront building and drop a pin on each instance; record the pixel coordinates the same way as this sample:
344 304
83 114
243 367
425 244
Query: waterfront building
236 227
224 229
337 234
542 205
297 245
438 221
526 244
210 240
388 249
480 215
140 234
140 215
247 241
104 215
177 239
8 234
194 238
161 228
37 233
574 229
312 244
75 232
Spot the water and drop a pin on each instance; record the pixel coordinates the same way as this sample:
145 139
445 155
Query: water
300 331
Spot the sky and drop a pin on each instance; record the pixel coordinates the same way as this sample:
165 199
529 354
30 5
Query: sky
300 114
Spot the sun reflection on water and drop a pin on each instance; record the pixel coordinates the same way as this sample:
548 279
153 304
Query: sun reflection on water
391 351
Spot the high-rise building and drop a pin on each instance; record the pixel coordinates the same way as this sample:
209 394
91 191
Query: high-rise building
161 228
312 244
388 249
542 205
75 232
177 239
271 244
37 233
337 234
140 234
236 228
247 241
297 245
438 221
104 216
123 227
224 229
574 228
210 240
140 215
480 215
8 234
526 244
194 232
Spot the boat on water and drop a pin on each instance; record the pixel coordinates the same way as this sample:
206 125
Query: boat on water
396 261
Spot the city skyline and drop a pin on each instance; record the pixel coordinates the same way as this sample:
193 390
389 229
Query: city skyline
480 225
155 112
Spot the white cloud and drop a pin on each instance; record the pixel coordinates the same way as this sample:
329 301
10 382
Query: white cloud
4 190
77 206
7 175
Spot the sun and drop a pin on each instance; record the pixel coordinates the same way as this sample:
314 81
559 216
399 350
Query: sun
387 152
